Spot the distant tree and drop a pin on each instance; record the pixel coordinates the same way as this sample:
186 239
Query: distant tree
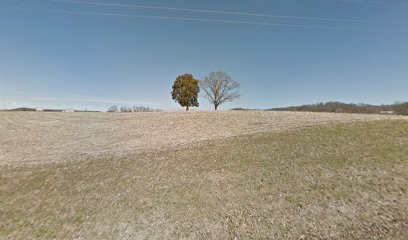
136 109
113 109
132 109
144 109
185 91
218 87
125 109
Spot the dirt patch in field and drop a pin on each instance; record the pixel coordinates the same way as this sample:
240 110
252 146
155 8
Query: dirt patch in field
32 138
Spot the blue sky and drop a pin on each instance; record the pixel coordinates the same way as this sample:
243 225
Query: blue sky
66 54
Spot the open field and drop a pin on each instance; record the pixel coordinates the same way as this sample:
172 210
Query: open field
203 175
28 138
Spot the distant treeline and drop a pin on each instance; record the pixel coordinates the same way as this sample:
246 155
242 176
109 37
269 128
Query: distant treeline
242 109
338 107
133 109
26 109
22 109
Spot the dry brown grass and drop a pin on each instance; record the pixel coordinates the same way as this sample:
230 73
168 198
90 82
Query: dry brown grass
332 181
30 138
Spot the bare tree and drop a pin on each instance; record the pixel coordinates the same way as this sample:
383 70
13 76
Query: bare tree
113 109
125 109
219 87
144 109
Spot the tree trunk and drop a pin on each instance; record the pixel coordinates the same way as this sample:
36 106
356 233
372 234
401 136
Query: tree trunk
187 108
215 107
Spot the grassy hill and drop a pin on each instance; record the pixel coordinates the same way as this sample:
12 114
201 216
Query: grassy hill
344 180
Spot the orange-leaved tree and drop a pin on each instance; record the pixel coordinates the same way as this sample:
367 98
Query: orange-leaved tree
185 91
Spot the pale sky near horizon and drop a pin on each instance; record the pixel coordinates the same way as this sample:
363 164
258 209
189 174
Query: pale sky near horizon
94 54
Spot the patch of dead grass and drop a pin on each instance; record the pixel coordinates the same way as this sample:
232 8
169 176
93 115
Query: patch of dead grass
346 181
28 138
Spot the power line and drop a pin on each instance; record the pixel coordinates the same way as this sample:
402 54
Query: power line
209 11
193 19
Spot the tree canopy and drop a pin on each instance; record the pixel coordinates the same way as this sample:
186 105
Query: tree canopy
185 91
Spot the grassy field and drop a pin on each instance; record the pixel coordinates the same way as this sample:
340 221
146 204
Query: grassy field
330 181
29 138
